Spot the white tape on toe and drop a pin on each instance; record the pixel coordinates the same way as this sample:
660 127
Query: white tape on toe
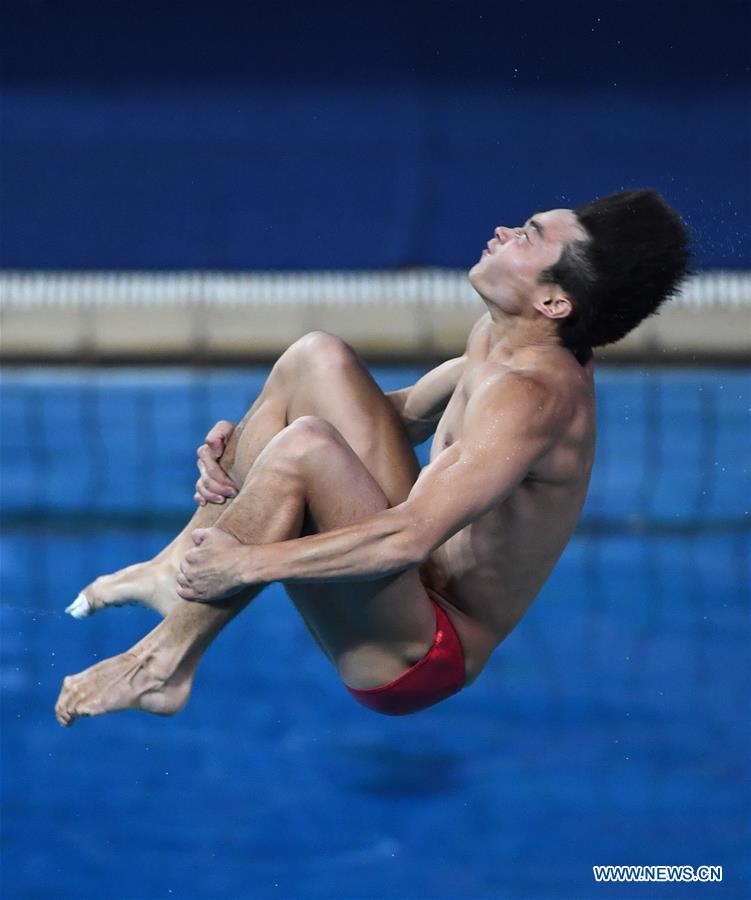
80 607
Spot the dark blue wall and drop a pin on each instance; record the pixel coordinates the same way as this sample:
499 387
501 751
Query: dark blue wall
359 134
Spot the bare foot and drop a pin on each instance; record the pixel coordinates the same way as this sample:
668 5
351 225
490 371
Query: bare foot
127 681
152 584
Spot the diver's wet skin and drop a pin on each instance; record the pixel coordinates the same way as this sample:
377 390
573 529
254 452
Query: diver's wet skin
121 682
407 579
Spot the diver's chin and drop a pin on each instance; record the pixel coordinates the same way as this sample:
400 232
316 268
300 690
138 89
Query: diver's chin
475 279
475 270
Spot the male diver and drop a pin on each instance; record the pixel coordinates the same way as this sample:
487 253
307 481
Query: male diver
407 579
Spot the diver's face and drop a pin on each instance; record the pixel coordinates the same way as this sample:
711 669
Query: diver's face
509 269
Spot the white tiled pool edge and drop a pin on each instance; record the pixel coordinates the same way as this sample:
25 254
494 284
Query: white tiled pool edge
423 311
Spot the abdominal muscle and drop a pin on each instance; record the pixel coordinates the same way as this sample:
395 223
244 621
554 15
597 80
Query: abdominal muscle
489 573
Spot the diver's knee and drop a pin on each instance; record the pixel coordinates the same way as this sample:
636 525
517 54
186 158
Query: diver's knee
320 354
305 436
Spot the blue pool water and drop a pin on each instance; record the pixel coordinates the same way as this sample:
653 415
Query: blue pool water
611 727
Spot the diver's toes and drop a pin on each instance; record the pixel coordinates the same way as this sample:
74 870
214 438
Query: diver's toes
65 701
80 608
61 714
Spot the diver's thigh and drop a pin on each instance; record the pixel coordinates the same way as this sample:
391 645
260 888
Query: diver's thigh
388 619
326 378
370 631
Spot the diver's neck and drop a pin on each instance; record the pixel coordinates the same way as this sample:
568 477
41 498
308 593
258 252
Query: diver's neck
512 337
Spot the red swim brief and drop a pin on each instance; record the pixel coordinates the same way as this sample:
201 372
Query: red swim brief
438 675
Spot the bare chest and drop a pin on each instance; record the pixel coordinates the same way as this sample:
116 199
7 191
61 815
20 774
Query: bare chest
449 429
451 426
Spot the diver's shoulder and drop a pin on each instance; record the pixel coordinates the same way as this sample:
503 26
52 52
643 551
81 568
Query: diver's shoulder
558 370
556 379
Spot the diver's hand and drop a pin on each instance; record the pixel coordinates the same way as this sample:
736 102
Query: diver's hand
215 568
214 485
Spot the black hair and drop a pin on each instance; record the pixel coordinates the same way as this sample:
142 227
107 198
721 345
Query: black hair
636 255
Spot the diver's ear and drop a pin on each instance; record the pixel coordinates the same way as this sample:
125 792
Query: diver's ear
554 303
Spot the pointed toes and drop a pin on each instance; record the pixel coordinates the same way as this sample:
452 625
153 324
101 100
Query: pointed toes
80 608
